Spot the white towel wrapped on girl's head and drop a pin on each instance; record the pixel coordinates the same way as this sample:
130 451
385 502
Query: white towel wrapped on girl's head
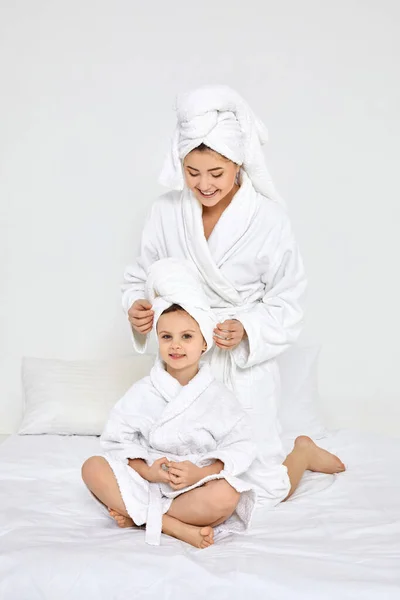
172 281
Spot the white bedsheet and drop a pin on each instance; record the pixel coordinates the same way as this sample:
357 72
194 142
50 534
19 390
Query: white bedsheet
56 542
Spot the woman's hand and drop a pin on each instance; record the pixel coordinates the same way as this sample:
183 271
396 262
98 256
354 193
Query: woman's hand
183 474
229 334
141 316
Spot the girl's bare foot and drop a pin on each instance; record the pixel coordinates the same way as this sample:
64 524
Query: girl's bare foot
199 537
319 460
121 520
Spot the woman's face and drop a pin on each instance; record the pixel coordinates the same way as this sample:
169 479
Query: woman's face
210 176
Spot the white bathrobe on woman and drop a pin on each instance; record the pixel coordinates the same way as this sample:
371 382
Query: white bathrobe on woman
250 265
200 422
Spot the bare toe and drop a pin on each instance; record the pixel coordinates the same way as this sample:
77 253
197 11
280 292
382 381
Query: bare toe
124 521
207 534
121 520
199 537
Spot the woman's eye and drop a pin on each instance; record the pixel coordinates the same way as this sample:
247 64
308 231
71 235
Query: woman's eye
216 176
193 174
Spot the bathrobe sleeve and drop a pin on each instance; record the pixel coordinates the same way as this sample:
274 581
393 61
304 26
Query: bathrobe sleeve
136 273
236 449
275 322
123 437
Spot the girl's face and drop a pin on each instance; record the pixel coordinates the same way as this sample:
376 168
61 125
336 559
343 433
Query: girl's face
180 341
210 176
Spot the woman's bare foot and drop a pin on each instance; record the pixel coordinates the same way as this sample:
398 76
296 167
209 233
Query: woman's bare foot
319 460
199 537
121 520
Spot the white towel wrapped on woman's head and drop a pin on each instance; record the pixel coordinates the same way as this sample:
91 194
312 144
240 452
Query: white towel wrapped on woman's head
172 281
218 117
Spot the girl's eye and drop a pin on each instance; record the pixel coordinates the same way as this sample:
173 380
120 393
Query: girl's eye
187 336
166 336
216 176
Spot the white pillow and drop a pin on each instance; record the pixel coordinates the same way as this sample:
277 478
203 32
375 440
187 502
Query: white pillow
299 411
75 397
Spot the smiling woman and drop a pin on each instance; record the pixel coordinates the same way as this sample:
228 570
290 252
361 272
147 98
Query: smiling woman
214 181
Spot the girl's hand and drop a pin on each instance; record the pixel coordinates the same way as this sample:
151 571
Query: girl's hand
141 316
229 334
156 474
183 474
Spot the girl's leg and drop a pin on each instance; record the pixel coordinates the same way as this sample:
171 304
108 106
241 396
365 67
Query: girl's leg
306 455
200 537
210 504
99 478
203 507
193 515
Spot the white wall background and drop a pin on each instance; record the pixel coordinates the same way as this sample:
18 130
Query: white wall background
86 111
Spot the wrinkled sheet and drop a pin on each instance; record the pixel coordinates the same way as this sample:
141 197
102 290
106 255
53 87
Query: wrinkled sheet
58 543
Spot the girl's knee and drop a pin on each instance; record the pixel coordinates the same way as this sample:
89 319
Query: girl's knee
231 499
223 496
92 468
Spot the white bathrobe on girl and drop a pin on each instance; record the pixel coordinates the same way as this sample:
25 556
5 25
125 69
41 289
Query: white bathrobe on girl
250 265
201 421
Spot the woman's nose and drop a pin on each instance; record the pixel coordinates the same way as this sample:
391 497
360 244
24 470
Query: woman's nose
204 183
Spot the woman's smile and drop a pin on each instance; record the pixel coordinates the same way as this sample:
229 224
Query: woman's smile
207 194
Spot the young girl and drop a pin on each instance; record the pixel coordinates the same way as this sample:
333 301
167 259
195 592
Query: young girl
179 454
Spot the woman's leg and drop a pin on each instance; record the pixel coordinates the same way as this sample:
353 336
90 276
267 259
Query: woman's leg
307 456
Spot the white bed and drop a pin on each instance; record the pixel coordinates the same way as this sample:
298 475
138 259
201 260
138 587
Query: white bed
56 542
